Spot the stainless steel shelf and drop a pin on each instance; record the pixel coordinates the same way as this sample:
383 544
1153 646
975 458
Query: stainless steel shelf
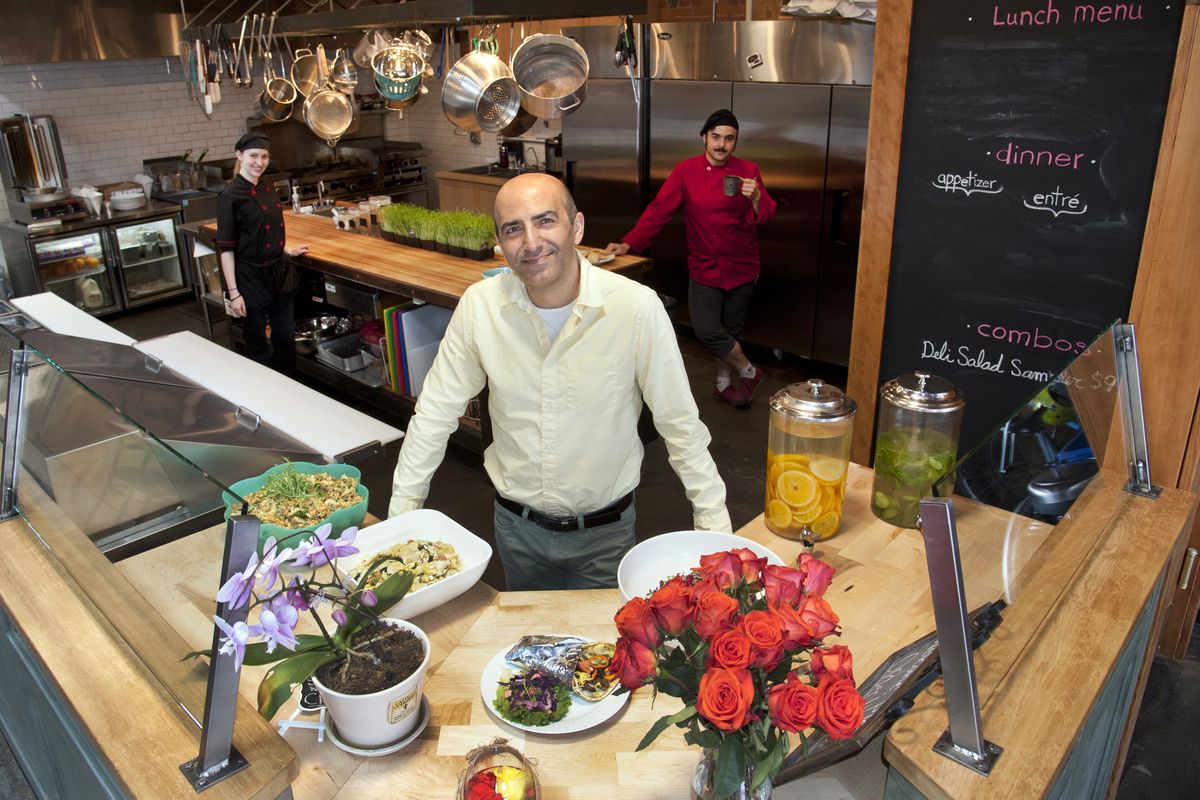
145 261
74 275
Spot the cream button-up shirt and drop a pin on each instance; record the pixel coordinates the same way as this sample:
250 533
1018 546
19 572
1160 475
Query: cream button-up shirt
564 413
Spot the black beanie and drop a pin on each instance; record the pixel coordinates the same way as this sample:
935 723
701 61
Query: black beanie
252 141
722 116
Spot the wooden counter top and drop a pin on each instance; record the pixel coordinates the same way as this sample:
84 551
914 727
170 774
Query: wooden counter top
467 177
421 274
1074 591
880 592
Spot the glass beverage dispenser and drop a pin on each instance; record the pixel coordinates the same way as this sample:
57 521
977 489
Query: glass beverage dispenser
919 420
808 453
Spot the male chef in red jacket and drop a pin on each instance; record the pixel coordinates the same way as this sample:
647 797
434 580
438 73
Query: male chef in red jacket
722 239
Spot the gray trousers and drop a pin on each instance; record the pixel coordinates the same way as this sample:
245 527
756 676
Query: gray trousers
535 558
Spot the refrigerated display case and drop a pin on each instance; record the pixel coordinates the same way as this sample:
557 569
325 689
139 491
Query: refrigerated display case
100 265
78 268
150 264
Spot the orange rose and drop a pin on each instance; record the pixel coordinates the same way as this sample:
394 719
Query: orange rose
730 649
762 628
836 662
733 567
725 697
839 707
714 613
817 574
818 616
792 704
636 620
782 585
672 604
634 663
792 627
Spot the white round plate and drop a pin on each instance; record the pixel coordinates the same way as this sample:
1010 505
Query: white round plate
597 256
387 749
582 715
666 555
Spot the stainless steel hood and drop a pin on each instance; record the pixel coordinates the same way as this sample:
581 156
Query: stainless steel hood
95 30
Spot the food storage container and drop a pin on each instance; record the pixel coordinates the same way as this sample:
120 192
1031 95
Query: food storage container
917 444
808 453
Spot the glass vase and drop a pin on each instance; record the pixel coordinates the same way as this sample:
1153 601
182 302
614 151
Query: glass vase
702 782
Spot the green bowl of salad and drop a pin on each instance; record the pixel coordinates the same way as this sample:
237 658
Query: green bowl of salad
295 498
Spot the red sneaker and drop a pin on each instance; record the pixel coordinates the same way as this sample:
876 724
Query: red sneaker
747 386
733 395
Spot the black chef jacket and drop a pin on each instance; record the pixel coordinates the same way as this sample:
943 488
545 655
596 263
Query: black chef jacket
250 223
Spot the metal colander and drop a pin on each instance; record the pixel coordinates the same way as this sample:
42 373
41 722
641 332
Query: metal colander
479 93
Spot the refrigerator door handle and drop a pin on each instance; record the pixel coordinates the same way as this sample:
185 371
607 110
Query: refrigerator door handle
836 215
116 268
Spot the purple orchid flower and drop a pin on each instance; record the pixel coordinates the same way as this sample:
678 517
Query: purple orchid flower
275 625
273 559
235 640
320 549
236 591
339 616
296 595
369 599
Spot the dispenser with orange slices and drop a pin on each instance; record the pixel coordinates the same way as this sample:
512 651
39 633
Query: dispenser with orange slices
808 453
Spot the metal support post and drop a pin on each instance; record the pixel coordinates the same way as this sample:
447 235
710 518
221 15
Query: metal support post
14 431
963 741
218 758
1129 380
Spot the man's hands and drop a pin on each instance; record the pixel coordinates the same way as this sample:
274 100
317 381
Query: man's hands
751 192
298 250
237 306
617 248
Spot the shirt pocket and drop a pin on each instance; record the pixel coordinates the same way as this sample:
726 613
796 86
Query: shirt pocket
598 387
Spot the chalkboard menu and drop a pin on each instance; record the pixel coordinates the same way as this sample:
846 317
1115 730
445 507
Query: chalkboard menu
1031 136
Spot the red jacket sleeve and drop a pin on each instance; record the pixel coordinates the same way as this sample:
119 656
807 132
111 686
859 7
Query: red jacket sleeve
657 214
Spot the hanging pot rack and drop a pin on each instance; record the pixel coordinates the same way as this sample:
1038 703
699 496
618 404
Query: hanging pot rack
328 17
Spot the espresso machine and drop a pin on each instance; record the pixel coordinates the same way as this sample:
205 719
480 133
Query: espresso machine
34 171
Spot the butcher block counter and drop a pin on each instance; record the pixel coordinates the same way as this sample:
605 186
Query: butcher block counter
436 278
1076 593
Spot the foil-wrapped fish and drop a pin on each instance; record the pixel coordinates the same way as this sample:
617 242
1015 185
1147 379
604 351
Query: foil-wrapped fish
556 655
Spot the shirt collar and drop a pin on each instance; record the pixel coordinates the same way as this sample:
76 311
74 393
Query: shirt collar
589 293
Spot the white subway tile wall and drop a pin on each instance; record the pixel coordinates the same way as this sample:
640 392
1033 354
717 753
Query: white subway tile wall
113 114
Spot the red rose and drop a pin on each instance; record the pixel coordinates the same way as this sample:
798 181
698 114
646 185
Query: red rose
725 697
836 662
672 604
793 628
782 584
792 704
730 649
763 630
839 707
636 619
817 574
714 613
818 616
634 663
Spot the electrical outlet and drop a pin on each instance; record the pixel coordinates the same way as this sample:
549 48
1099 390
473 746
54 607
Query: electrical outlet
475 137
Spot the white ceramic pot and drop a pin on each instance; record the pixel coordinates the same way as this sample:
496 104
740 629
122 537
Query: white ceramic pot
375 720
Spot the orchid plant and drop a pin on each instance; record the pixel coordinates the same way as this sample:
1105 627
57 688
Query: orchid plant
281 585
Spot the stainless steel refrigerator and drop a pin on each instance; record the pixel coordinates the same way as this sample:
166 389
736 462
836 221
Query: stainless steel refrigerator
800 90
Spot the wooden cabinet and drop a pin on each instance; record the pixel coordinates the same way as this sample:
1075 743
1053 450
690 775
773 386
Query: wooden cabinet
472 192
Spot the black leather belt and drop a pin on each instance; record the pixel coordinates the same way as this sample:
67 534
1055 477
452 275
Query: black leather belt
604 516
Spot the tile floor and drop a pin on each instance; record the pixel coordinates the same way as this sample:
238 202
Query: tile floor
1161 763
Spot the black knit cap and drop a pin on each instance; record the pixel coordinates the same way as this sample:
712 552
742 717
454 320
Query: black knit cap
722 116
252 141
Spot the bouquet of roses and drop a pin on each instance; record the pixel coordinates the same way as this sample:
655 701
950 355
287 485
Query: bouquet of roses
741 643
